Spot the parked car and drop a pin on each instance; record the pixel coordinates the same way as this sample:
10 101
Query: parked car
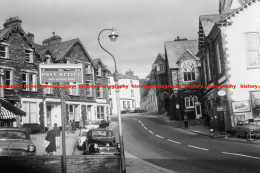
81 138
244 128
257 120
100 142
32 127
103 124
16 142
124 111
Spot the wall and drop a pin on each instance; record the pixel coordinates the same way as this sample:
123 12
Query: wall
246 21
52 164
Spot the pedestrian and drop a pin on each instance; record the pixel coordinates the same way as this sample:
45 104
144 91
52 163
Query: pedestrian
206 119
69 126
80 124
51 148
73 126
57 138
186 122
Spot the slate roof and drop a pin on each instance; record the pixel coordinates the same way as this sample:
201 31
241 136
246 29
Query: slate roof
175 49
61 49
208 21
97 60
5 31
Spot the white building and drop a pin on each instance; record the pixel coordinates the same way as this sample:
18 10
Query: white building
129 96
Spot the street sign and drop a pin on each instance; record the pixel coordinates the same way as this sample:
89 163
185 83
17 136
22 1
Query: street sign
61 73
220 108
222 93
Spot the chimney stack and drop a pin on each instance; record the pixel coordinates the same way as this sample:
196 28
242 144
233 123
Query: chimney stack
31 36
12 21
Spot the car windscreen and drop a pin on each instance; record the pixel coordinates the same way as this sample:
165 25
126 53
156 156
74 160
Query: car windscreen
101 134
13 134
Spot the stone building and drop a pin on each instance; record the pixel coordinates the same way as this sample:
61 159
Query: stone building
183 71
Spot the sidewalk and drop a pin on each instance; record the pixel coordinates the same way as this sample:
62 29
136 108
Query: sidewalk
70 139
197 126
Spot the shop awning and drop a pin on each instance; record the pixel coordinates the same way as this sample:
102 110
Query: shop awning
5 114
255 99
11 108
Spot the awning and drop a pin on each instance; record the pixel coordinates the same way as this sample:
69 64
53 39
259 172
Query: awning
255 99
8 106
5 114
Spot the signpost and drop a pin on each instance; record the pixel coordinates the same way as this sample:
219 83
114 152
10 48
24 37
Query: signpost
61 73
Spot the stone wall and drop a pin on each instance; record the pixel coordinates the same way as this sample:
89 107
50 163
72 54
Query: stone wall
53 164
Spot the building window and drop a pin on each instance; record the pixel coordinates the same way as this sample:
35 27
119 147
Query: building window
208 66
133 104
189 76
28 55
88 89
3 50
161 67
88 68
29 79
252 49
99 74
109 91
124 106
75 89
47 59
74 112
218 58
204 71
108 80
132 93
99 92
128 104
188 68
31 110
190 101
8 77
100 112
48 90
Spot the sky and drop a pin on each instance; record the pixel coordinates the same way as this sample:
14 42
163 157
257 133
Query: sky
142 25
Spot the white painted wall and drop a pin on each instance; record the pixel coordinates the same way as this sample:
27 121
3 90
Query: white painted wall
247 20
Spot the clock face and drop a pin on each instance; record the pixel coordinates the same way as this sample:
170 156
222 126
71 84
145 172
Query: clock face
188 66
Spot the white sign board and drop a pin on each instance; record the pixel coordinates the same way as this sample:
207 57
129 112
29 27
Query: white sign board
61 73
241 106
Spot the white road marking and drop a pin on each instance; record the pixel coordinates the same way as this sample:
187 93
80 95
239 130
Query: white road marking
198 147
241 155
174 141
159 136
145 128
150 131
142 125
140 122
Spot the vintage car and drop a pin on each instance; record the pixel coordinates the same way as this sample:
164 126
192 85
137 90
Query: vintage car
101 141
245 129
16 142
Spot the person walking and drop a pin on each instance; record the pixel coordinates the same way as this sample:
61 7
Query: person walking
73 126
80 124
57 132
186 125
51 148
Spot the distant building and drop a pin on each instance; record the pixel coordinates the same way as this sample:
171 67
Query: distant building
149 101
130 97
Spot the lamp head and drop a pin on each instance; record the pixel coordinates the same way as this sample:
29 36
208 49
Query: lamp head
113 36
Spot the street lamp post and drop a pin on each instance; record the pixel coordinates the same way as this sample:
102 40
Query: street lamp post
113 38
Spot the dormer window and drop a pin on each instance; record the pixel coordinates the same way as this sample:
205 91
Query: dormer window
3 50
47 59
29 55
99 72
88 68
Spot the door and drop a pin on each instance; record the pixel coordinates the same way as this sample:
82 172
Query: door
49 117
198 111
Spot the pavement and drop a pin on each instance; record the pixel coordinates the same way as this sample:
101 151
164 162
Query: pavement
197 126
133 163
